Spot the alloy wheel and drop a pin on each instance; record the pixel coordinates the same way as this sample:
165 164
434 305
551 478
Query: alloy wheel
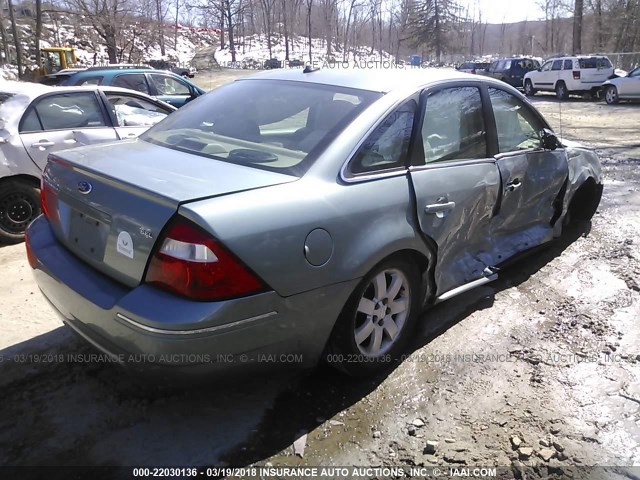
611 95
382 312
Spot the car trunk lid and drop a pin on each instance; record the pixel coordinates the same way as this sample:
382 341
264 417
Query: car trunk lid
110 205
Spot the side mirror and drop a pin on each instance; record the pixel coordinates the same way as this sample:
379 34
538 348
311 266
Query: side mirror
548 139
539 69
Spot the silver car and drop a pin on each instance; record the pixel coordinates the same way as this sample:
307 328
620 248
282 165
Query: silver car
299 215
623 88
36 120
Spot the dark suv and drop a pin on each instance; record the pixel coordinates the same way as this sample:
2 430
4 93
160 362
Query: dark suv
511 70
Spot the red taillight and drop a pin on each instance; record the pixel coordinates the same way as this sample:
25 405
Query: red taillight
576 74
43 197
190 262
30 255
48 200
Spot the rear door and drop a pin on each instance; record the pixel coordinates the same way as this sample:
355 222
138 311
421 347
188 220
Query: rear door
63 120
532 178
133 114
456 182
594 71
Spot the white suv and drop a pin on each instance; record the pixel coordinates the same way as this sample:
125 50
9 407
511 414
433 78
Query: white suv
569 75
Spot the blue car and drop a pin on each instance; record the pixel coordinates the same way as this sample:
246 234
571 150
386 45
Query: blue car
166 86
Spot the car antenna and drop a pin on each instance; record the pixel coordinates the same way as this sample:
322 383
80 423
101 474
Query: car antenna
560 113
310 69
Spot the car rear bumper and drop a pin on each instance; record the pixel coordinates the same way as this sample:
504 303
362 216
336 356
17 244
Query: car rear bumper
146 328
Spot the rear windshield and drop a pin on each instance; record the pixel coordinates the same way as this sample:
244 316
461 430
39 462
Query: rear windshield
594 62
272 125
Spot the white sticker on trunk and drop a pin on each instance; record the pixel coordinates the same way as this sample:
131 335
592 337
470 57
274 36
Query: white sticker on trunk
124 244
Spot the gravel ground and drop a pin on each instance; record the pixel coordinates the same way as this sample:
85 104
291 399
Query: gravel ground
537 372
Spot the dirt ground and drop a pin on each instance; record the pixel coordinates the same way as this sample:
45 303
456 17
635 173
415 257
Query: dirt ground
537 372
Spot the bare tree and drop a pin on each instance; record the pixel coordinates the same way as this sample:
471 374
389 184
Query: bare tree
106 17
577 26
16 37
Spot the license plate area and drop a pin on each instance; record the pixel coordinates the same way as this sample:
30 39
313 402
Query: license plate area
87 234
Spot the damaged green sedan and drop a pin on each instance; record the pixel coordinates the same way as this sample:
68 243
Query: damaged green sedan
302 214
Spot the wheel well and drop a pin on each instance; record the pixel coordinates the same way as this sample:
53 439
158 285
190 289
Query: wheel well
426 267
585 200
34 181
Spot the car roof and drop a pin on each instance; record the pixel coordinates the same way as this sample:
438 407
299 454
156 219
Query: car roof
380 80
33 90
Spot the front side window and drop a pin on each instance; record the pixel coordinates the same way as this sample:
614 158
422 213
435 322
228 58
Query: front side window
63 111
518 127
166 85
272 125
635 73
546 67
557 65
387 147
132 111
453 127
132 81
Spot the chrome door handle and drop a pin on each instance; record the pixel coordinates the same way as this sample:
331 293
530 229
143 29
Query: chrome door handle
439 208
510 187
43 144
130 135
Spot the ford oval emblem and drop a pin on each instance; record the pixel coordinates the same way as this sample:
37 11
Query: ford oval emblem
84 187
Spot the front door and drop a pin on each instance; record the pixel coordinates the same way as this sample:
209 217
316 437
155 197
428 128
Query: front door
544 80
532 178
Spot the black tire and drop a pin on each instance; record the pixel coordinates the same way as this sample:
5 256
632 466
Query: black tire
363 359
561 91
529 91
611 95
19 205
584 203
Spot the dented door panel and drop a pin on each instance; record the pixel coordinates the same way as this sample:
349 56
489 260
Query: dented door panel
455 204
531 183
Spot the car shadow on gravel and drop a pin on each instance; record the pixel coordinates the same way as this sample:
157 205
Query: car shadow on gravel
323 394
95 413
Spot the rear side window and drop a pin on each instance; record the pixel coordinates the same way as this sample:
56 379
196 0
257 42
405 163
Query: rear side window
568 65
132 81
63 111
595 62
517 125
388 145
453 126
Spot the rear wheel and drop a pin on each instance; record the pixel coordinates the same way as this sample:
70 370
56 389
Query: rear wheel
561 91
611 95
529 91
376 322
19 205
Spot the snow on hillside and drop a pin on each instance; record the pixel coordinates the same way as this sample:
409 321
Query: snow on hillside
139 46
253 50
